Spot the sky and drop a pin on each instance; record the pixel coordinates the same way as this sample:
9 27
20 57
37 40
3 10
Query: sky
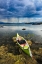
10 10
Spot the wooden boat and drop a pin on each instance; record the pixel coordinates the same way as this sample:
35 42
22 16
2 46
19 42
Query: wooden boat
22 43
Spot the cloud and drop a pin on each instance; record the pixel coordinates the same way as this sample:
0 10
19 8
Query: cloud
34 8
21 20
20 8
10 20
35 19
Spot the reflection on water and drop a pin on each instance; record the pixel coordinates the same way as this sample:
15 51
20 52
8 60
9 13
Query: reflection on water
30 29
36 29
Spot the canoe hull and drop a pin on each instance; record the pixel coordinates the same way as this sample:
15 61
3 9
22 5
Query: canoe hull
25 48
26 51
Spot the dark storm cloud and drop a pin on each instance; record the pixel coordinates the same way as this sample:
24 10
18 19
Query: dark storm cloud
20 8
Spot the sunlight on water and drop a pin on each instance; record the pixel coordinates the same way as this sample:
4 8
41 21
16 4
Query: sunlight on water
36 29
30 27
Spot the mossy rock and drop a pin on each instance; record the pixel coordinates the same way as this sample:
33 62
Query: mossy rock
19 62
29 42
14 39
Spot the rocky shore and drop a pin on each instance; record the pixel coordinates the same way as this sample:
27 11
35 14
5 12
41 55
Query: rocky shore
10 53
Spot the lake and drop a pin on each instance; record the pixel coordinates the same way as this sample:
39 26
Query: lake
12 29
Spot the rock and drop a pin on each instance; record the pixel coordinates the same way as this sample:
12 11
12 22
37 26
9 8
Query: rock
9 58
14 39
32 61
29 42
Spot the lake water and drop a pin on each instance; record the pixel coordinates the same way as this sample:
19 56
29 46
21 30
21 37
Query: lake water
12 29
37 29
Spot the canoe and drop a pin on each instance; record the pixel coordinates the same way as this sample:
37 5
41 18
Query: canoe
22 43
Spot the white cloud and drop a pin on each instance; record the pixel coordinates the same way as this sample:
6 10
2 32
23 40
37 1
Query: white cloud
2 9
4 20
21 20
33 5
35 19
11 20
40 12
20 7
28 2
